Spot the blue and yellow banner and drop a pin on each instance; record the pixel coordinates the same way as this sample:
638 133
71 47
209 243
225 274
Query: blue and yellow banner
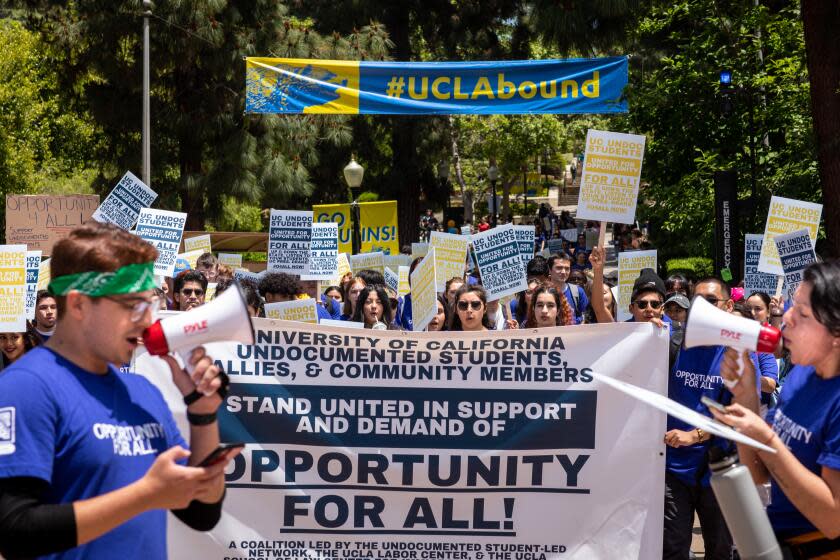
286 85
378 225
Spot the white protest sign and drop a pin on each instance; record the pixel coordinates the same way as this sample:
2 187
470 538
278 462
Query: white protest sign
33 268
612 169
630 263
404 286
12 288
44 274
163 229
450 256
755 281
301 310
786 215
368 261
796 252
424 291
245 275
466 230
123 204
288 246
526 238
323 252
233 260
198 243
555 246
476 473
392 279
343 268
395 261
419 250
569 235
499 262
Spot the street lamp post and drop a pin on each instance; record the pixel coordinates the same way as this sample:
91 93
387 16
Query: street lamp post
146 141
493 175
443 174
353 174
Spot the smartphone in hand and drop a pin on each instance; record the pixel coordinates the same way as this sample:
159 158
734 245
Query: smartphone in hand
220 454
711 403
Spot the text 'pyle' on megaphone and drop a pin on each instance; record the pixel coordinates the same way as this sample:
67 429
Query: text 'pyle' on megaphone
225 318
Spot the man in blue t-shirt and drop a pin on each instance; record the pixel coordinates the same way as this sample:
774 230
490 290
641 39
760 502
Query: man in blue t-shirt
559 268
687 489
90 458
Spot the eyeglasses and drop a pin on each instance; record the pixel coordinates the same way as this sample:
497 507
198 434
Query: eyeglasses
190 291
138 308
643 304
464 305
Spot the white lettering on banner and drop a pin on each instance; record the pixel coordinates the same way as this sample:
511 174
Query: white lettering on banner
787 429
394 442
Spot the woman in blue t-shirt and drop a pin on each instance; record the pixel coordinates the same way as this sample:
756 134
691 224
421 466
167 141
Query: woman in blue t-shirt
804 428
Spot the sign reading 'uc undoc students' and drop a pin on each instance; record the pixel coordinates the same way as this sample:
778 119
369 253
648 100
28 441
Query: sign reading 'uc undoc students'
386 442
163 229
286 85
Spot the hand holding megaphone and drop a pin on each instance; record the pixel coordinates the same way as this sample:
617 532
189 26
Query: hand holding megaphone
707 325
225 318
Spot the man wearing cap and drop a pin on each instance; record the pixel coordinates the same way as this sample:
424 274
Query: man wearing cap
687 489
676 307
90 458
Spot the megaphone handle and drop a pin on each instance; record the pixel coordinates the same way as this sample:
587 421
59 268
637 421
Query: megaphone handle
190 369
740 362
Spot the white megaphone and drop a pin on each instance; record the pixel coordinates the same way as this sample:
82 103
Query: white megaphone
226 318
708 325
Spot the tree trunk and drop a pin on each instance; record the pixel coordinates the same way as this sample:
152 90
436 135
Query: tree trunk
459 175
507 215
821 20
405 175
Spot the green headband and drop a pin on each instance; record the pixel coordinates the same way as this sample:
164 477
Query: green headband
129 279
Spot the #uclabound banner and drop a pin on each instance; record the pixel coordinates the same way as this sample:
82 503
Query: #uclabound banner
387 444
287 85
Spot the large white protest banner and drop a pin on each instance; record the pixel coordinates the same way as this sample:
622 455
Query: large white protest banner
198 243
12 288
368 261
525 238
288 246
612 169
456 447
796 252
123 204
755 281
630 263
33 268
786 215
499 262
302 310
163 229
323 252
450 256
424 291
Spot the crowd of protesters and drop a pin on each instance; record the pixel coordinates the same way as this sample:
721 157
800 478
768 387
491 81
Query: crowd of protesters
568 288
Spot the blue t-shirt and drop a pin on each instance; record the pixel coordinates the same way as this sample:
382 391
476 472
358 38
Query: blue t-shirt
404 318
807 420
86 435
583 302
766 366
696 373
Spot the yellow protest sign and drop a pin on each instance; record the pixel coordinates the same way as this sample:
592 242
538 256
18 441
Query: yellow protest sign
785 216
233 260
450 256
44 275
630 264
302 310
368 261
198 243
423 292
612 169
12 288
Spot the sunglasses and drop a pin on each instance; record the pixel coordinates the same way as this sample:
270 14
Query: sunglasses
643 304
190 291
464 305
